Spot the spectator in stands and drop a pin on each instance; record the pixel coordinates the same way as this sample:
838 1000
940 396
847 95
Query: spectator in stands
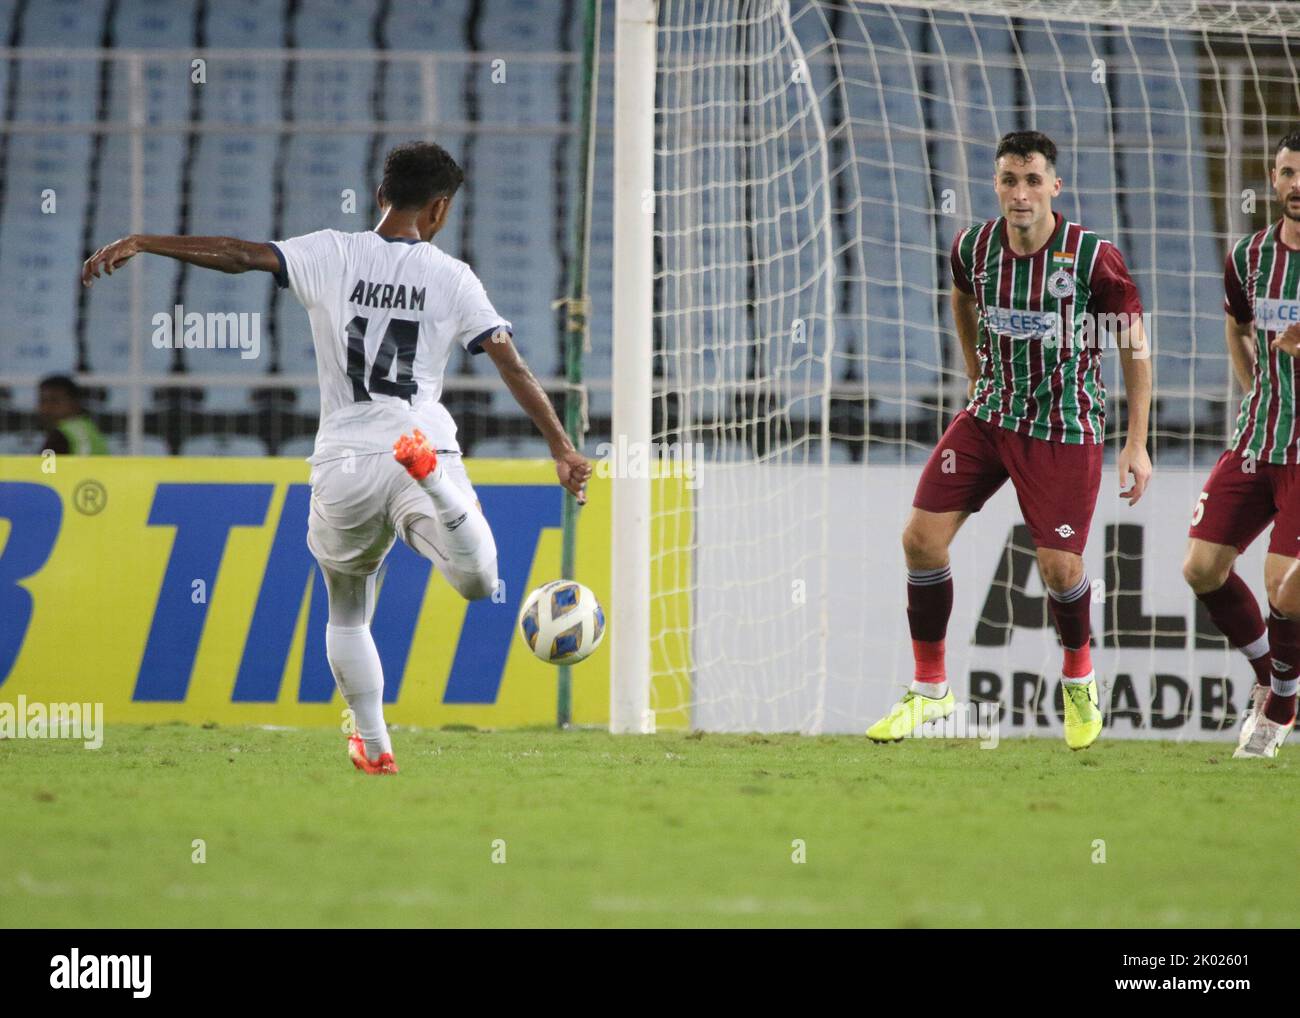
69 428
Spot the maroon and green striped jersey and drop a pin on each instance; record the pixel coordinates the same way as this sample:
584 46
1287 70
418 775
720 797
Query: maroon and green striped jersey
1261 284
1040 365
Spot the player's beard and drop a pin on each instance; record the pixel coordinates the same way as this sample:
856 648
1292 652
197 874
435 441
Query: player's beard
1291 209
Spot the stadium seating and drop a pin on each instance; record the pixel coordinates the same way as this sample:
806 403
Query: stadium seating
35 237
297 448
216 159
150 445
20 443
107 327
223 445
1184 304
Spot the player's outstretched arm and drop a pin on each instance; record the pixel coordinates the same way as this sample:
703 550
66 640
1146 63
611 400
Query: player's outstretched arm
1135 361
572 468
225 254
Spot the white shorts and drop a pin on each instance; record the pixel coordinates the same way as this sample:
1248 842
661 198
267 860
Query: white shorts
359 505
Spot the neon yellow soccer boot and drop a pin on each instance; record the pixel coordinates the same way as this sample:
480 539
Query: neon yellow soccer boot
909 714
1082 718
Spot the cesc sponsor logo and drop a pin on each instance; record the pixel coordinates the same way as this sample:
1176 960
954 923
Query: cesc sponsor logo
1273 314
202 518
1022 324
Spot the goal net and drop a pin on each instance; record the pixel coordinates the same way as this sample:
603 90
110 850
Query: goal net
813 161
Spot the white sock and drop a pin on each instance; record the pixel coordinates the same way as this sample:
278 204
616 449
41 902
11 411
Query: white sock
451 500
934 690
1082 680
1258 648
354 660
461 544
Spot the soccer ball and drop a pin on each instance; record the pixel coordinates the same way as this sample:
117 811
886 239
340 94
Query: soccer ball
562 622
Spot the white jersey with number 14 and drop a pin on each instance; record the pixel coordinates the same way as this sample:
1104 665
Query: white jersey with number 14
385 316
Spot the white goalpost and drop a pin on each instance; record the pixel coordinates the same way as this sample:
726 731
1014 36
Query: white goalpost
634 111
789 177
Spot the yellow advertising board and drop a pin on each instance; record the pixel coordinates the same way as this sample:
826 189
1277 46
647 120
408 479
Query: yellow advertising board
182 589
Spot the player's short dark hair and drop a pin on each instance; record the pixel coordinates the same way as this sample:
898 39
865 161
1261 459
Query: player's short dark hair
1291 141
63 384
1024 144
418 172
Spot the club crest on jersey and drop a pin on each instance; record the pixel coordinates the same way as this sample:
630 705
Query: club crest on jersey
1061 283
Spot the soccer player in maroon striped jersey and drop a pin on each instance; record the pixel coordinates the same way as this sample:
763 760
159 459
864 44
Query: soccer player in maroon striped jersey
1034 296
1257 479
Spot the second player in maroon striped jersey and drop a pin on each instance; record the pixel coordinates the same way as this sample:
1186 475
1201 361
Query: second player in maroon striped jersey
1255 481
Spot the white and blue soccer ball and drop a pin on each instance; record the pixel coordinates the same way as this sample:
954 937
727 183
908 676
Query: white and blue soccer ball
562 622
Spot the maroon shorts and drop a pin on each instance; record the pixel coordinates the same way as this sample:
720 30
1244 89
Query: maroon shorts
1237 503
1055 483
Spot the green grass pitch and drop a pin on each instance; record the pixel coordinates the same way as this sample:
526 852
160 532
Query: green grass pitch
693 830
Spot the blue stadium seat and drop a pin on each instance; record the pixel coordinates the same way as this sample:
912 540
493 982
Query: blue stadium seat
429 90
39 251
150 445
335 24
109 330
433 25
335 89
243 94
244 24
223 445
600 271
70 23
1069 106
520 26
20 443
507 448
1179 272
8 12
514 238
514 247
146 24
298 448
230 195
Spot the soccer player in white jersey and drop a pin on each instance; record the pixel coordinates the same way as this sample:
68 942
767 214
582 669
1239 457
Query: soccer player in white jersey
387 308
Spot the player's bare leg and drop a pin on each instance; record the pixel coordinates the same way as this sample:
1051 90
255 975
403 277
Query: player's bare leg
1275 722
1232 606
926 539
354 660
1069 601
